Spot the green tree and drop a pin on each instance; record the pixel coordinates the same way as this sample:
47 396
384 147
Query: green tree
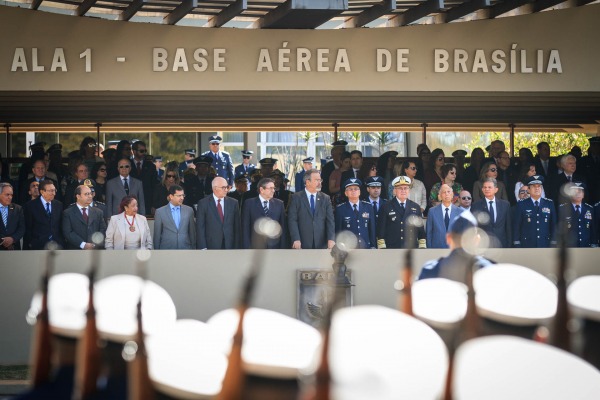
560 142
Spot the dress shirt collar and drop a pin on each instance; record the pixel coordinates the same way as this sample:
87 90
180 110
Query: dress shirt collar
44 202
352 204
400 202
308 194
262 200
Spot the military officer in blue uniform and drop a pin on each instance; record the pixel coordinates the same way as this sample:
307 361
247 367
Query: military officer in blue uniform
221 160
374 185
535 218
246 167
400 222
160 172
356 216
462 232
579 217
189 155
307 164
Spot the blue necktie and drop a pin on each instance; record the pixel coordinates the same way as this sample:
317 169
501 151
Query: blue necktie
447 219
48 213
266 207
312 204
5 216
492 214
176 216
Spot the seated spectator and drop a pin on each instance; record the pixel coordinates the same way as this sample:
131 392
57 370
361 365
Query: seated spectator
473 170
489 170
99 175
162 190
128 230
449 178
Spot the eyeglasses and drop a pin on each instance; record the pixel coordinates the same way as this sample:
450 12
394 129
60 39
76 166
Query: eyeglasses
171 176
124 166
440 158
317 180
412 168
523 191
102 170
141 151
353 189
222 187
91 144
492 170
466 198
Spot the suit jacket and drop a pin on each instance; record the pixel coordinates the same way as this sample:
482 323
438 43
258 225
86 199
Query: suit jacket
115 193
39 229
24 195
557 183
211 233
362 226
252 211
166 234
299 181
148 177
552 169
118 225
436 228
76 230
312 231
500 231
393 230
15 226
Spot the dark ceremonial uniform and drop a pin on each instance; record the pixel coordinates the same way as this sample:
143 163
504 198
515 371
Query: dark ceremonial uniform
242 170
380 204
299 185
361 223
283 195
222 164
535 226
393 227
454 266
581 228
196 188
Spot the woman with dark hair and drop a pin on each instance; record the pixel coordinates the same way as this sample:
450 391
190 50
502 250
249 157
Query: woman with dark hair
472 171
87 150
161 192
433 174
422 163
449 176
527 170
525 155
489 170
385 169
99 174
128 230
335 179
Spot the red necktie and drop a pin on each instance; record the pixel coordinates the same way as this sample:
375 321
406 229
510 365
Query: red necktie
85 215
220 210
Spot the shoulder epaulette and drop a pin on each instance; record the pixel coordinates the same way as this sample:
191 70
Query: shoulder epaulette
431 263
587 205
99 202
339 205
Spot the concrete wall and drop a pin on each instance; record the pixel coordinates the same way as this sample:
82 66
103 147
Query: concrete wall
204 282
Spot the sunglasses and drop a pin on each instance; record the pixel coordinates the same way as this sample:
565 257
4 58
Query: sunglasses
412 168
492 170
245 157
91 144
466 198
141 151
102 170
440 159
171 176
124 166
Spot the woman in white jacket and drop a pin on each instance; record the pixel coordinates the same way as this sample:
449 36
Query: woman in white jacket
128 230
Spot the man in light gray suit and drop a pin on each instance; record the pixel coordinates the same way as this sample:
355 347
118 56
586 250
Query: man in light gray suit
174 226
439 218
310 215
121 186
218 219
80 221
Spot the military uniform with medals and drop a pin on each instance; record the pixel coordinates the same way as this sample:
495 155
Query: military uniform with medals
221 161
535 226
360 222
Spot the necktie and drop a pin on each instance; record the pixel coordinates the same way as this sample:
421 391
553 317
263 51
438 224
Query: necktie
447 219
220 210
577 212
355 173
176 216
5 216
355 211
126 186
537 206
266 207
312 204
85 215
492 214
139 167
48 210
375 207
569 178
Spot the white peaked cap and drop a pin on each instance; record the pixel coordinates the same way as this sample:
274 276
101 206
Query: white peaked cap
275 345
380 353
185 360
508 367
116 299
514 294
68 296
583 295
439 302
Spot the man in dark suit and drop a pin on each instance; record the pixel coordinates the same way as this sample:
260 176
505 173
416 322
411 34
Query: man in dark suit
221 160
121 186
400 222
39 174
307 164
218 219
356 216
12 223
174 226
439 217
497 220
263 206
198 185
43 218
81 221
145 171
246 167
568 164
544 164
310 216
81 174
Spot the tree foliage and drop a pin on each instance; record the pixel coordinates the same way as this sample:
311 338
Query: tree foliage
560 142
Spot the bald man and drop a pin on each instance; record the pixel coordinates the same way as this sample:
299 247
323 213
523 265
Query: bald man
218 219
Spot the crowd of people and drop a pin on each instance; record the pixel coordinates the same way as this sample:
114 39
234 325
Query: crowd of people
206 203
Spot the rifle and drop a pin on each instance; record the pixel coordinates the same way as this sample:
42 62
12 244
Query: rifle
234 380
406 291
88 353
42 347
560 335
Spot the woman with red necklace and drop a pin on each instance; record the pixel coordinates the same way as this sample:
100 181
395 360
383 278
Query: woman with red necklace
128 230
